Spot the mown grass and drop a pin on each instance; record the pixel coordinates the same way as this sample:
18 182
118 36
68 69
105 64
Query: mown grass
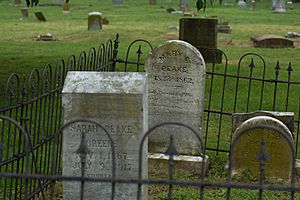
20 52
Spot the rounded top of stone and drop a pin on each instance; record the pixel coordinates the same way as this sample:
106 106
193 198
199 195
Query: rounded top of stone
95 13
261 121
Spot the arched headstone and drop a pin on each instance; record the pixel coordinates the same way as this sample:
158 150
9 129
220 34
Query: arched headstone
263 139
176 78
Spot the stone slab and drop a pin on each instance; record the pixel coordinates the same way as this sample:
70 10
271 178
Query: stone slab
118 102
272 41
247 148
181 163
176 79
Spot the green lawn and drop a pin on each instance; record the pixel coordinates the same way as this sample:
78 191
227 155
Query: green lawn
136 19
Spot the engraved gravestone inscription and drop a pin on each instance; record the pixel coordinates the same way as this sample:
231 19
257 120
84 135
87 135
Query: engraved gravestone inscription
117 102
176 75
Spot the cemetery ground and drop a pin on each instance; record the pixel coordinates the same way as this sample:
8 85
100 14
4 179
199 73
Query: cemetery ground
20 52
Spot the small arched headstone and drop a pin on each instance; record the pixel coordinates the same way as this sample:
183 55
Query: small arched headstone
263 139
94 21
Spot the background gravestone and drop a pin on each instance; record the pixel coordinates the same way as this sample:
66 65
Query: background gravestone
201 33
94 21
24 12
249 137
176 77
152 2
118 102
40 16
184 5
118 1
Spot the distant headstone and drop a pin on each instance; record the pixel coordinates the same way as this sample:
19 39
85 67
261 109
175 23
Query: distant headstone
263 138
184 5
118 1
278 6
117 101
272 41
46 37
176 77
201 33
94 21
241 4
24 12
66 7
40 16
152 2
17 2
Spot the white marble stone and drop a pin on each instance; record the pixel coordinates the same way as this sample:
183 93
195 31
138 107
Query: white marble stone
118 102
176 79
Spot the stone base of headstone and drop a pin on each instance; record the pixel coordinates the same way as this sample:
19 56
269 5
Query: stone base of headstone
201 33
181 163
211 55
94 21
24 12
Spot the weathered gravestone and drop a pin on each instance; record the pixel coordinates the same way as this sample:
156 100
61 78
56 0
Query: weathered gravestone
263 138
278 6
176 77
94 21
201 33
184 5
118 1
40 16
24 12
66 7
117 101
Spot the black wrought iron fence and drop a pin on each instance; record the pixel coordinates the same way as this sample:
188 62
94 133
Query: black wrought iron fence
30 146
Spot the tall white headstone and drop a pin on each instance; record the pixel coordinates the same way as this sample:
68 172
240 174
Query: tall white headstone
118 102
176 78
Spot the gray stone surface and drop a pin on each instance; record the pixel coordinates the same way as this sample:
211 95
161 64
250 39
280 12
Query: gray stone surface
176 78
117 101
279 148
94 21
